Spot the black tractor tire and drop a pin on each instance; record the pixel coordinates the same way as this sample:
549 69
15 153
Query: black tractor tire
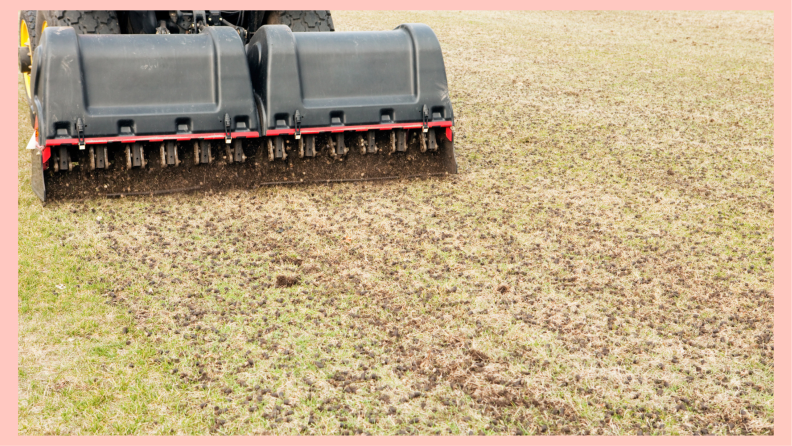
30 18
84 22
302 21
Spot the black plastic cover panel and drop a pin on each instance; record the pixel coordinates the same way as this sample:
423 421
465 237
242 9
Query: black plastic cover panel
349 78
141 84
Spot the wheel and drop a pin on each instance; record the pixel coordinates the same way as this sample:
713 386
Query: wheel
84 22
28 38
302 21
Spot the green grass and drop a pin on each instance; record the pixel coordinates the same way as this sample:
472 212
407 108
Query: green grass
614 208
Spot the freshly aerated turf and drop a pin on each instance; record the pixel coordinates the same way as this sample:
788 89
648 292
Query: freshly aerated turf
603 263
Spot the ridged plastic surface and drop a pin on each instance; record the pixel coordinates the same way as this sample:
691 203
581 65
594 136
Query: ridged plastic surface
358 78
141 84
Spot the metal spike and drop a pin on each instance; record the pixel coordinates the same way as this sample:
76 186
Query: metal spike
239 155
341 148
372 142
138 157
401 140
172 158
432 140
310 145
280 148
64 160
101 157
300 146
206 152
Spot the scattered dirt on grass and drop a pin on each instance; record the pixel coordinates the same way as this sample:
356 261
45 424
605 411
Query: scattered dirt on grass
286 281
638 302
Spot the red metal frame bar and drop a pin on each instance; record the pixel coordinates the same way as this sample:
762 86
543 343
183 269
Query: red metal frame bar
357 128
277 132
153 138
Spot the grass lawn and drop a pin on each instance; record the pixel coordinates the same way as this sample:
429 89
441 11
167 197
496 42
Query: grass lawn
603 263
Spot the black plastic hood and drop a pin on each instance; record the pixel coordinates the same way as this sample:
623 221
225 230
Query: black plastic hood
348 78
140 85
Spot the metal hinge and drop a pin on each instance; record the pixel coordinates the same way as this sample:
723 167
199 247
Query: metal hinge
297 124
80 133
227 121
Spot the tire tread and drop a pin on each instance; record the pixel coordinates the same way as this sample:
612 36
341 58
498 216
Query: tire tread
88 22
307 21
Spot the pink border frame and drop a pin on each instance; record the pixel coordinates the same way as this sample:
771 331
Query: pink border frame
782 240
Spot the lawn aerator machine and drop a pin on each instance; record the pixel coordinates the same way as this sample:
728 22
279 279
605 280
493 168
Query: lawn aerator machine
150 102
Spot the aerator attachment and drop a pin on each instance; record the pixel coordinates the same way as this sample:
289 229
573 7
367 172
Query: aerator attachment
143 114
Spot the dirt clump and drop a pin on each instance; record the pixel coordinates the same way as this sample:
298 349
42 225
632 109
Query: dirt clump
286 281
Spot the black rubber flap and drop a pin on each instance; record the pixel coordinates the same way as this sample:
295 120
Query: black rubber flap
141 84
37 175
349 78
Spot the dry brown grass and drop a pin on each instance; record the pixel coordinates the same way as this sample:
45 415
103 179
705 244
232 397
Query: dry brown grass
603 264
